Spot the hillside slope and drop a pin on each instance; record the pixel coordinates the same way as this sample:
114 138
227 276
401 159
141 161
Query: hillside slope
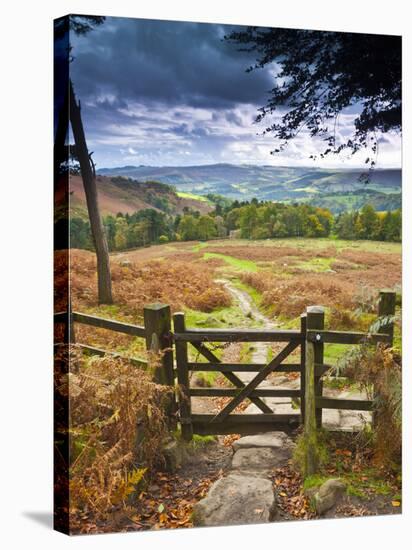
118 194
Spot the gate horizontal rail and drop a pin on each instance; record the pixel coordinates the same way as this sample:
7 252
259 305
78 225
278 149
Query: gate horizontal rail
238 335
233 392
251 367
340 337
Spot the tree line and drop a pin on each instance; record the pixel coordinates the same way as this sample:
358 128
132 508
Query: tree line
246 220
265 220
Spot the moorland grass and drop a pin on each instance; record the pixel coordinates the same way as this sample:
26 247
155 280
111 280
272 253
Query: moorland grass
237 264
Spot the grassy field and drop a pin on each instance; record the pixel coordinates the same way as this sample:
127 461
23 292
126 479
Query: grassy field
281 276
184 195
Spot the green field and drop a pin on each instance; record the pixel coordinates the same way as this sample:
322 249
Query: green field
193 196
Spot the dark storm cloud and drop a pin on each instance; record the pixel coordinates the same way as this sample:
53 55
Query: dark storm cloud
170 62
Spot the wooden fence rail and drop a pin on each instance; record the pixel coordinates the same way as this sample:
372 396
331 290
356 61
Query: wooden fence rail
109 324
136 361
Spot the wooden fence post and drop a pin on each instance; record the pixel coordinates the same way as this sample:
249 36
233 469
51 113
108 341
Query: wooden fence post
302 368
183 378
157 322
313 355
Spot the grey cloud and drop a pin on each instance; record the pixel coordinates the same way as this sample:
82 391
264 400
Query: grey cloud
166 61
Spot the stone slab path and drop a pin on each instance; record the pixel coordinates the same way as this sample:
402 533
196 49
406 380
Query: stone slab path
246 495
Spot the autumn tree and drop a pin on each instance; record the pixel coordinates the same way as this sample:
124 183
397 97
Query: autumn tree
248 220
188 228
80 235
293 220
344 225
313 227
220 225
232 218
392 226
120 239
206 228
369 225
369 222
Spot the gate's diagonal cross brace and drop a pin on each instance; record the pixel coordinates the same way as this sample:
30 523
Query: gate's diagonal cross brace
247 390
235 380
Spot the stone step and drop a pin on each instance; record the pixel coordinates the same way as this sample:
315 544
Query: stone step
237 500
274 440
260 460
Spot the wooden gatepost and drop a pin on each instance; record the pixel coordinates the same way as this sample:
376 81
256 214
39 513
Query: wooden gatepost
386 311
183 379
315 320
157 323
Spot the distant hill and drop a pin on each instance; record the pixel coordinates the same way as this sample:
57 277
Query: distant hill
290 184
120 194
341 201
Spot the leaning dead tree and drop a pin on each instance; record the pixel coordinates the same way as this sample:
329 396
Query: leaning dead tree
67 111
88 173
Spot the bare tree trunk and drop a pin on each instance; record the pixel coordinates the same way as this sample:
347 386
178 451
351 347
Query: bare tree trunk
90 188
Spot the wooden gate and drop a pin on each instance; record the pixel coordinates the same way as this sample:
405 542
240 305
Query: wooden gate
226 421
312 336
